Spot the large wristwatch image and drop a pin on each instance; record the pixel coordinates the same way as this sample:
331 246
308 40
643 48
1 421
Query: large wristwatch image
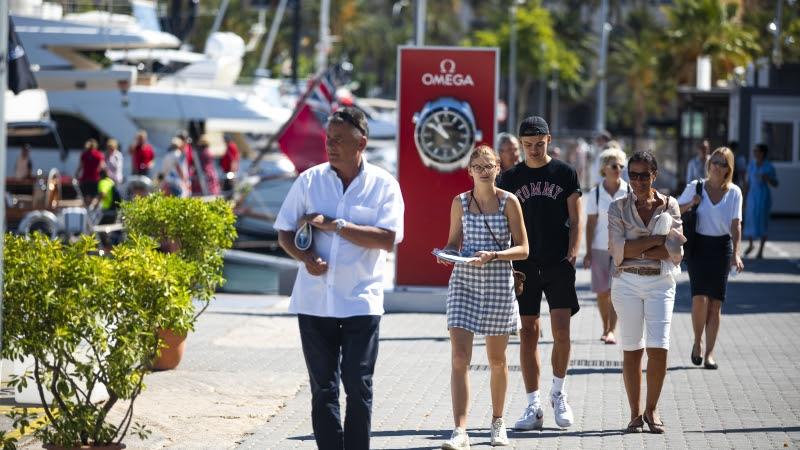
445 132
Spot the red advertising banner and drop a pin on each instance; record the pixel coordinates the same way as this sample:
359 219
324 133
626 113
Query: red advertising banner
447 105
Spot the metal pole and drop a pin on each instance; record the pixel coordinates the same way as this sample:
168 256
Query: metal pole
554 102
324 45
419 28
273 33
776 43
600 123
3 83
223 7
295 40
512 70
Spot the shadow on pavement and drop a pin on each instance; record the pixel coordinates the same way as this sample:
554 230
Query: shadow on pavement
749 298
415 338
249 314
748 430
761 266
592 370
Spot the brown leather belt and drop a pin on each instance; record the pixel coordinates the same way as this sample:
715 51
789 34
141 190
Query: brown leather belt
643 271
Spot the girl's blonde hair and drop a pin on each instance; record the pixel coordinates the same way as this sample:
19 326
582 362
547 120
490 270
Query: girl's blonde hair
112 143
611 154
728 155
484 150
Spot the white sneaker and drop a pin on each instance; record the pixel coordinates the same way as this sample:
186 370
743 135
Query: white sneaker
563 413
532 418
499 435
458 441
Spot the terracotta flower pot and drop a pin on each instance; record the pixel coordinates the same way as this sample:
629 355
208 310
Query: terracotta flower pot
173 352
85 447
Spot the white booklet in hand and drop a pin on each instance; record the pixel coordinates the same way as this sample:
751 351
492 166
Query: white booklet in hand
452 256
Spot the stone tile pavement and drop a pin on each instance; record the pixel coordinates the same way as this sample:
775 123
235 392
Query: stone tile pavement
242 383
753 401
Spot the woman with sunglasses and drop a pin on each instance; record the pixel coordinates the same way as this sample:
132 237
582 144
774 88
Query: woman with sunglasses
715 249
645 238
480 296
613 187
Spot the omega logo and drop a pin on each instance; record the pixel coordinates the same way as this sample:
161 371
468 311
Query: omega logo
447 77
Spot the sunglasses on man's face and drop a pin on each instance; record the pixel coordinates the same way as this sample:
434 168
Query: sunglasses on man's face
639 175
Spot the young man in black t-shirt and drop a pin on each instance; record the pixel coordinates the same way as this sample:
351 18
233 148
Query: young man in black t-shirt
549 192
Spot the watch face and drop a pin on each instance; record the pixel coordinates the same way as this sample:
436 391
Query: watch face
445 137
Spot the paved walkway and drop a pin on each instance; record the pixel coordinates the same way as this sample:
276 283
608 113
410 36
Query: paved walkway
242 383
752 401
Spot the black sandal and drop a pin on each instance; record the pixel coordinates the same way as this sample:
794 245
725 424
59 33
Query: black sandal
655 428
635 426
696 360
710 365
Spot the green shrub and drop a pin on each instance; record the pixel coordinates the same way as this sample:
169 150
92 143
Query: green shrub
85 320
199 230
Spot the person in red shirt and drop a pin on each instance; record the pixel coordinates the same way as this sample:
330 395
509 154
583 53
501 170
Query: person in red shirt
207 164
142 155
88 173
183 135
229 163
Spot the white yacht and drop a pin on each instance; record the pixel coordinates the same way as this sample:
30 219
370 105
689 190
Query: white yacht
88 98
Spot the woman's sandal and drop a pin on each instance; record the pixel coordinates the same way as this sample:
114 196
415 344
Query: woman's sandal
611 339
635 426
696 360
655 428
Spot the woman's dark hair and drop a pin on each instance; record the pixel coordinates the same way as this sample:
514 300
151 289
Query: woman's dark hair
645 157
763 149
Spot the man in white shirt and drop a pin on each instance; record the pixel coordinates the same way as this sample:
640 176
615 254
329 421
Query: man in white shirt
356 211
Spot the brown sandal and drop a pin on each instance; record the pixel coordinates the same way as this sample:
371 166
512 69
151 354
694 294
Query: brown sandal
655 428
635 426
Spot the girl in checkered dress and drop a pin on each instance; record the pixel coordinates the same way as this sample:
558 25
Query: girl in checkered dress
480 297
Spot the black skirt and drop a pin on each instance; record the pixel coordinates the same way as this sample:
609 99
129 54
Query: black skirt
709 265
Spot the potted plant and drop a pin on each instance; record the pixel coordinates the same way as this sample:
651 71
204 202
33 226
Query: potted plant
197 231
86 321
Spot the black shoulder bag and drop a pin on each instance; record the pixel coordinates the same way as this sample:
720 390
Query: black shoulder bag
689 219
519 277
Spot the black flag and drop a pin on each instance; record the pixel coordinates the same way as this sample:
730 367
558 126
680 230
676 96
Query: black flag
20 76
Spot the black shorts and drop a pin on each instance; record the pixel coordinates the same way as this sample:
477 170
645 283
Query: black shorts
556 281
89 188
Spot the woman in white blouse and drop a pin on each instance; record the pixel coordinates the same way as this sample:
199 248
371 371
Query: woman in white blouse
715 249
644 237
613 187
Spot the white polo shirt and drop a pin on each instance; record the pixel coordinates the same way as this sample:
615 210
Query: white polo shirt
600 241
353 284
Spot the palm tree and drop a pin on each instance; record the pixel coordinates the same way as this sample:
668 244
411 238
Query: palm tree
708 27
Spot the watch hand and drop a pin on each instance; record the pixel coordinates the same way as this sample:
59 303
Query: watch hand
439 129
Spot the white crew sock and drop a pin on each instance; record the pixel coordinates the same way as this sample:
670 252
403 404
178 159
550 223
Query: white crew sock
533 397
558 385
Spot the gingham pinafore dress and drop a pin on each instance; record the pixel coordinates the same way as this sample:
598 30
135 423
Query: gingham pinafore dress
481 299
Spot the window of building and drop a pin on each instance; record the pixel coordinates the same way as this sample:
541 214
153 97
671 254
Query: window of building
779 137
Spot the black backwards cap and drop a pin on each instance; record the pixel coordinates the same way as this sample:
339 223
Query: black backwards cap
533 126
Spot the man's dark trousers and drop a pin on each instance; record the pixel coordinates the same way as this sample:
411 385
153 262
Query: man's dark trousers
353 341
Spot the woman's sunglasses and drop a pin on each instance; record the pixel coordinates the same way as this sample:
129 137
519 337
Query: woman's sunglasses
639 175
720 163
